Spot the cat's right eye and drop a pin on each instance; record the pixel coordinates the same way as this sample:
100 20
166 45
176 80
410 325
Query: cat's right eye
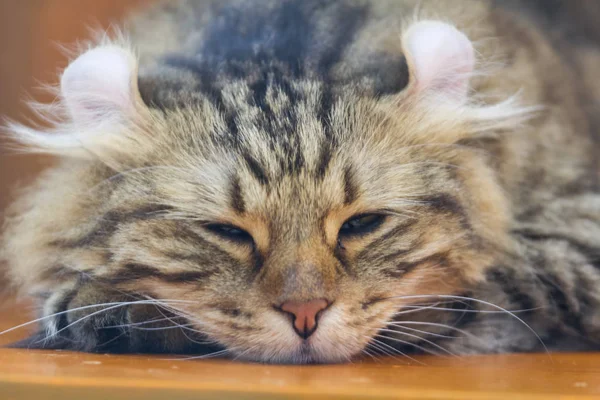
231 233
361 224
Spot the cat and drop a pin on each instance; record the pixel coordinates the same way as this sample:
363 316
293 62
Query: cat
310 181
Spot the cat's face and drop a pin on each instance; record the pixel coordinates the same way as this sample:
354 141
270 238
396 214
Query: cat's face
292 231
364 218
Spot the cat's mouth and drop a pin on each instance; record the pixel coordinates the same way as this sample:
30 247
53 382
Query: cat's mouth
296 351
282 339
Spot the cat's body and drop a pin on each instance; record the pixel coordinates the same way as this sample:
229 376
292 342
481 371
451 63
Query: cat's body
281 161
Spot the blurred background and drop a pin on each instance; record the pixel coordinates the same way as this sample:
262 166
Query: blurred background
30 34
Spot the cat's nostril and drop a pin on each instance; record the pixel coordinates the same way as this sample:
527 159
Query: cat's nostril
306 315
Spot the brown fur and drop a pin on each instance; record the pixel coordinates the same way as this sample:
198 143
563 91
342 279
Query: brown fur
499 210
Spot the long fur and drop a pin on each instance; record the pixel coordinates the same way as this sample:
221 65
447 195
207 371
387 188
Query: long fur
287 122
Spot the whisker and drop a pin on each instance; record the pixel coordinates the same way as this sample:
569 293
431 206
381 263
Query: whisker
383 351
417 308
202 343
210 355
161 328
185 327
414 309
135 324
98 312
181 314
245 352
422 331
375 341
365 351
34 321
405 342
450 327
437 346
487 303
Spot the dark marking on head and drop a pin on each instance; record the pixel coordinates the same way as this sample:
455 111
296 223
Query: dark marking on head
394 256
398 230
205 78
324 159
402 268
343 266
109 223
257 265
236 196
59 273
351 191
256 169
445 203
133 271
326 103
251 34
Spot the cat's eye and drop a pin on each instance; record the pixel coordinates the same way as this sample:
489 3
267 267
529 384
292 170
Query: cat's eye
361 225
231 232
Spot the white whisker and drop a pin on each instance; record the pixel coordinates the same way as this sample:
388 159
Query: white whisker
121 304
497 307
98 312
429 342
421 331
374 341
210 355
423 349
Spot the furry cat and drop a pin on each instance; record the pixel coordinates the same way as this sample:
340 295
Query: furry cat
298 181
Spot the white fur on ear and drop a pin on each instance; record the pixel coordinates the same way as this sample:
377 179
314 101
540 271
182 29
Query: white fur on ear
440 58
100 98
100 86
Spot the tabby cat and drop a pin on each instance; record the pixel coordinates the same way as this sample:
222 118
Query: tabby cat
301 181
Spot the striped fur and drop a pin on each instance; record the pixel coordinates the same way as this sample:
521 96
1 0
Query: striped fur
286 120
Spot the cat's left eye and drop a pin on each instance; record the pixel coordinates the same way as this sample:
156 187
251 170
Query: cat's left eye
231 232
361 224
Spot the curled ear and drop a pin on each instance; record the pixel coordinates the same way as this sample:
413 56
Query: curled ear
100 86
100 104
441 59
441 62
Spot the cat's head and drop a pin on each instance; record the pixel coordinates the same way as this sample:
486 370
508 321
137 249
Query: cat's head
289 221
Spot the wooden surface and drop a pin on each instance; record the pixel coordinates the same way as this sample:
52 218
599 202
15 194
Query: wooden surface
64 375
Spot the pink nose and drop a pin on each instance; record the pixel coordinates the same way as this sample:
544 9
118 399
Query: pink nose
306 315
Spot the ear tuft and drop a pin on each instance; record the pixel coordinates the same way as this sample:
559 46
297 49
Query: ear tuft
440 57
99 109
100 85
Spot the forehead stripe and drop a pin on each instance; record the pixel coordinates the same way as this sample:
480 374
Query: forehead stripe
350 189
236 196
256 169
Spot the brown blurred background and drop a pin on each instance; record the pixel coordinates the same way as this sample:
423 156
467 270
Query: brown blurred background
30 34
